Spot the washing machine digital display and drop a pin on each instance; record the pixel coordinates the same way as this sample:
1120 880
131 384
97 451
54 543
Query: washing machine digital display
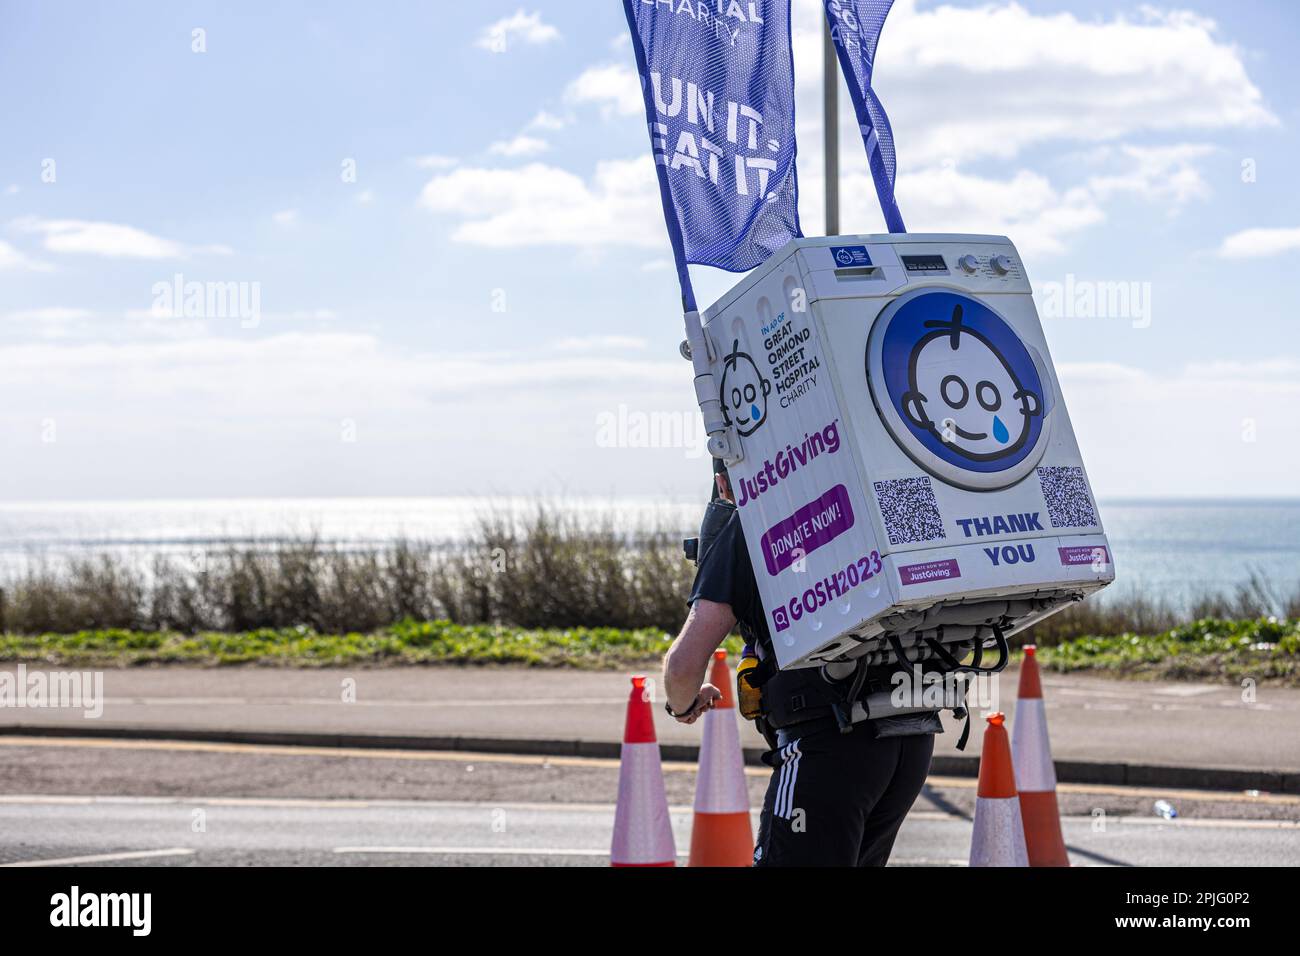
958 389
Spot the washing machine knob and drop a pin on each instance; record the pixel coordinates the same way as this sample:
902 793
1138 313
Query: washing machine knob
1001 264
968 264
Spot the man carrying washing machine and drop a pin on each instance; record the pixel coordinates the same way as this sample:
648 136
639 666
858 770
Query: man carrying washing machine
840 789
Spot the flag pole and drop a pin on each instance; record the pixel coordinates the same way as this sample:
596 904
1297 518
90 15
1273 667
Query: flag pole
830 118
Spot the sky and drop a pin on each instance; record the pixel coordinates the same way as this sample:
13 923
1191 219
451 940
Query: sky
440 266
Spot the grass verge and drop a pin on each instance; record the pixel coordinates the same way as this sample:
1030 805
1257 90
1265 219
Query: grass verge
408 642
1266 650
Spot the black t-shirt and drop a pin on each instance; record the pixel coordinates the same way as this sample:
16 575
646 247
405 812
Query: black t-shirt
726 576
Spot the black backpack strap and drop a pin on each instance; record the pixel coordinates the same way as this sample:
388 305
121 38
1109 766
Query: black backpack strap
844 714
974 667
945 655
897 647
965 730
1003 649
963 711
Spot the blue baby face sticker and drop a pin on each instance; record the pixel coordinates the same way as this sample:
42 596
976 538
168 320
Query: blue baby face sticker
962 382
743 392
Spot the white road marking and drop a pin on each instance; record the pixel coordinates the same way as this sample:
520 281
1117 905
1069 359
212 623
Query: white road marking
334 702
481 850
350 804
922 861
323 803
106 857
1201 822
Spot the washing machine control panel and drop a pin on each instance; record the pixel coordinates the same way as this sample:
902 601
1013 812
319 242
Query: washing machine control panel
989 266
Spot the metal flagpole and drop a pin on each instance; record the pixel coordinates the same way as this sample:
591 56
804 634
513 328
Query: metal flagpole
830 115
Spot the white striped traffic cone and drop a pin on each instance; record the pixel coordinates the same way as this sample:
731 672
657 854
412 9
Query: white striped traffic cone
643 831
722 834
999 836
1031 755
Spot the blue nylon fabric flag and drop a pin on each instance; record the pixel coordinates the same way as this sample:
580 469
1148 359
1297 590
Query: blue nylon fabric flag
855 28
718 81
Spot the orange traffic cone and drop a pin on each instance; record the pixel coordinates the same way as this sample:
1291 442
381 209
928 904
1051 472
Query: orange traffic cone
643 831
1035 776
722 834
999 837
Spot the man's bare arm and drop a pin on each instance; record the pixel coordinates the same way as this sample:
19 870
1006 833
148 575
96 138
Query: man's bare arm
687 661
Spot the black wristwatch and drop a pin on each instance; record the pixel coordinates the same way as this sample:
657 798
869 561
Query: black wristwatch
669 708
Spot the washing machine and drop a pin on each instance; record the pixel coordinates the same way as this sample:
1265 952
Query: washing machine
909 481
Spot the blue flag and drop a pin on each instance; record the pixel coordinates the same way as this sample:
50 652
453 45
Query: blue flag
718 82
855 28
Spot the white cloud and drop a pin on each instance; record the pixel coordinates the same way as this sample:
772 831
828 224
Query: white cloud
1026 206
60 323
1236 416
1154 172
972 89
274 405
50 323
366 196
991 81
543 205
1040 216
434 161
50 314
525 27
110 239
264 317
1275 371
11 189
307 367
547 121
254 414
519 146
11 258
285 217
1259 243
614 87
596 343
81 326
963 86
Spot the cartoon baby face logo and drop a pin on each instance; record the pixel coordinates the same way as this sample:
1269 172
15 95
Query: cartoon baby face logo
962 390
958 389
744 391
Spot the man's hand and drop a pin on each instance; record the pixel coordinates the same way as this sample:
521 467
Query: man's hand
687 661
704 702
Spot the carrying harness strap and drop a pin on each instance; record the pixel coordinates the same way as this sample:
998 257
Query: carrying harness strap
814 699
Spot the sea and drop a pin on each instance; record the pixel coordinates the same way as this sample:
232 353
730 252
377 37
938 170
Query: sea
1174 551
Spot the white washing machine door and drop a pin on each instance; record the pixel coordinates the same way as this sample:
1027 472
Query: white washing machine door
958 389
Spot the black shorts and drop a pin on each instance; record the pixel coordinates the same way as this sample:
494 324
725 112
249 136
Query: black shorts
838 799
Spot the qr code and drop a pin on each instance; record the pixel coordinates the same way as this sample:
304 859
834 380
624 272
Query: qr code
909 509
1068 503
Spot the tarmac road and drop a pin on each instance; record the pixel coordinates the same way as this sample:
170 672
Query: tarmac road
117 802
178 831
1090 719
